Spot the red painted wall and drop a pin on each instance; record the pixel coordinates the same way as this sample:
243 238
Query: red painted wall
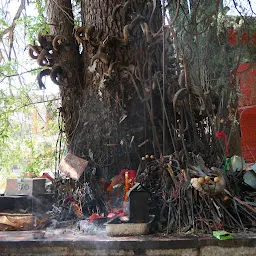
246 77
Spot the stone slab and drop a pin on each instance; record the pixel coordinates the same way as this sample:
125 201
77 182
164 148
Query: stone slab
35 204
68 242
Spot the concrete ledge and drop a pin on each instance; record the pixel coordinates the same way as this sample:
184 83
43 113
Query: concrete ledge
35 204
61 242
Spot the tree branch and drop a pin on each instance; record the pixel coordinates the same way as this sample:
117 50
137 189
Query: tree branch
17 74
17 15
38 102
249 2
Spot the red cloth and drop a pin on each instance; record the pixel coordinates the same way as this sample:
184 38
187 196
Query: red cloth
47 176
132 177
119 179
94 216
222 135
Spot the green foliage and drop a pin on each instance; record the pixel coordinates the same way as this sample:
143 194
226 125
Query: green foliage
3 24
40 157
10 151
34 24
27 135
21 145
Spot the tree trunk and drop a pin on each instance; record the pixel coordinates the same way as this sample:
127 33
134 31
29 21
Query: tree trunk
124 94
61 20
107 104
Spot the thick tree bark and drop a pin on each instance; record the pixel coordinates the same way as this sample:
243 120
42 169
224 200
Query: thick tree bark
61 20
104 116
112 97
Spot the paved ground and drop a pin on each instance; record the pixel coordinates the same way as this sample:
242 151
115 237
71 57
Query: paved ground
101 236
100 241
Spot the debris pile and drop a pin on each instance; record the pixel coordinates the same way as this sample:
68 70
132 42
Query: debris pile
195 199
198 199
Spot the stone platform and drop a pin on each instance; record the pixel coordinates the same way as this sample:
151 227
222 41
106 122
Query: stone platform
67 242
33 204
